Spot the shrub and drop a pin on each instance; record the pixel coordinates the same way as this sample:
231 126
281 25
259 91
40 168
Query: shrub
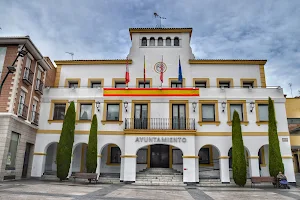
275 161
91 156
239 168
65 144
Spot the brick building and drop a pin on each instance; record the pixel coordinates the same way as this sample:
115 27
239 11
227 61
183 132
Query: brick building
20 100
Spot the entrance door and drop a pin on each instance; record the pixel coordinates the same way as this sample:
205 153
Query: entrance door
140 116
178 117
26 160
159 156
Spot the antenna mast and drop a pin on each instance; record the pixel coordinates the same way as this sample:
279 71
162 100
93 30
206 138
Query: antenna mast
158 25
290 84
71 53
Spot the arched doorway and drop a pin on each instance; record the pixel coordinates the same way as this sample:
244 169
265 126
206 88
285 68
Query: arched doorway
111 161
79 158
50 163
209 165
263 154
247 155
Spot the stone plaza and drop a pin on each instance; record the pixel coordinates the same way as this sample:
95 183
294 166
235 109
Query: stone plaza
48 190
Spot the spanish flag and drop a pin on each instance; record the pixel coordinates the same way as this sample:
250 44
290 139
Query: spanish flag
127 72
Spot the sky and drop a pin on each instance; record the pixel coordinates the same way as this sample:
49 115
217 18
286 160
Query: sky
222 29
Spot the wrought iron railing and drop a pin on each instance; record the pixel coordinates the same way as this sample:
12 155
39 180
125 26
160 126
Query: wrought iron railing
39 86
22 110
28 76
35 117
176 123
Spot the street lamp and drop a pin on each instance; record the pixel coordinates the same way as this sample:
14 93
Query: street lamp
12 68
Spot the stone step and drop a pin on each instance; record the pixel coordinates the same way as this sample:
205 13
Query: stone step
159 178
166 175
159 183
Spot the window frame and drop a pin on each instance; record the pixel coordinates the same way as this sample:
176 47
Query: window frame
168 38
244 110
257 103
248 80
158 40
78 111
141 80
16 151
144 39
216 108
172 80
150 40
142 163
108 158
72 80
51 113
176 38
206 80
91 81
230 80
141 102
211 161
106 102
177 102
118 80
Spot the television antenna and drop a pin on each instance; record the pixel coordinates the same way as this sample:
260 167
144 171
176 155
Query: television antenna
290 84
158 25
71 53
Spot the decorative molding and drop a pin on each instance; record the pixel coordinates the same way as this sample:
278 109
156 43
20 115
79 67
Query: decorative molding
128 156
39 153
190 156
92 62
231 62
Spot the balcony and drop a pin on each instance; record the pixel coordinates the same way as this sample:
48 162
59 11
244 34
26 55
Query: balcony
35 118
22 110
160 124
28 76
39 86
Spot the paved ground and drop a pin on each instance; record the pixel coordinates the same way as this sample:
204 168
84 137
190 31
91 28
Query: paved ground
34 190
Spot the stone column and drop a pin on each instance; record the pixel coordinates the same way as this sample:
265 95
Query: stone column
129 173
224 169
197 170
254 166
189 169
98 166
289 169
38 164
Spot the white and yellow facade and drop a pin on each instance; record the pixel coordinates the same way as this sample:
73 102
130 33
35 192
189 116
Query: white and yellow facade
139 144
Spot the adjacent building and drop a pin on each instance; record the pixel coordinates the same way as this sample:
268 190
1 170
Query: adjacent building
158 121
20 102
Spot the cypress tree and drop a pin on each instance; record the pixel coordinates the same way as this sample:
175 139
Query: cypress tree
275 160
65 144
91 156
239 168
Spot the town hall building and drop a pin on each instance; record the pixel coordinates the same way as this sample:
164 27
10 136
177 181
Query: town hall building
173 115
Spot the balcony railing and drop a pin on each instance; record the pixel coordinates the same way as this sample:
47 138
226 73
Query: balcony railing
39 86
22 110
35 117
28 76
160 123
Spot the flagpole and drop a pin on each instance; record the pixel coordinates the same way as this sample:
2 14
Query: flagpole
161 68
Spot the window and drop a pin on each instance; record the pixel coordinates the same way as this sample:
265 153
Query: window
140 116
95 82
33 111
142 156
224 84
263 112
168 41
176 41
293 120
200 84
2 57
152 41
115 155
248 84
176 84
27 68
208 112
85 111
177 156
73 84
120 84
112 112
144 85
160 41
178 116
238 108
12 151
59 111
22 107
144 41
96 85
204 156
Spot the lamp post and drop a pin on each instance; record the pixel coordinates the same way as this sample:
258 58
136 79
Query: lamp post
12 68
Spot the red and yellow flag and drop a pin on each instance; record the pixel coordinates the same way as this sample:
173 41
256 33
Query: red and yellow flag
127 79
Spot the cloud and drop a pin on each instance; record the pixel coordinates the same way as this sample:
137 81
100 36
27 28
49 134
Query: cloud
231 29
